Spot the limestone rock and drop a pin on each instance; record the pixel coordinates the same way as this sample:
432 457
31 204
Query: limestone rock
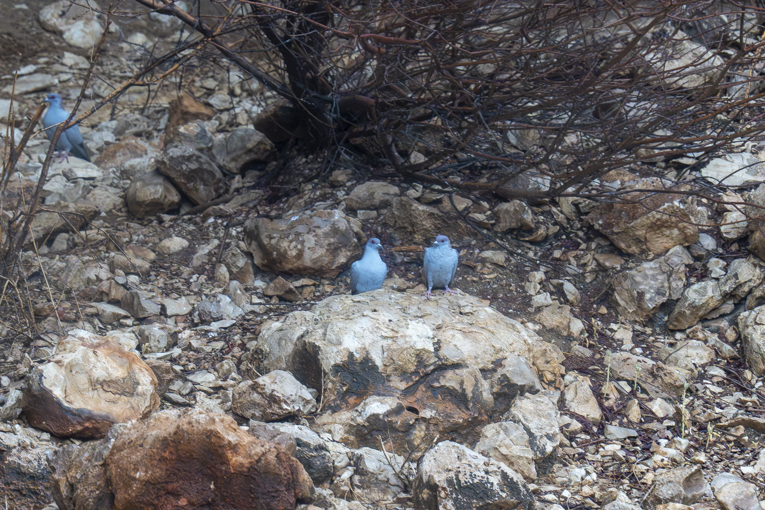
139 306
451 476
735 169
698 300
272 397
658 379
357 349
172 245
513 377
684 485
304 444
751 324
678 53
236 150
508 443
513 215
239 266
193 173
649 224
417 223
283 289
61 217
90 384
320 243
579 399
116 155
540 419
372 195
640 292
687 354
151 194
734 493
375 479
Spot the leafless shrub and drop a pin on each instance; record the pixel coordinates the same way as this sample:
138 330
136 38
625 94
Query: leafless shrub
542 98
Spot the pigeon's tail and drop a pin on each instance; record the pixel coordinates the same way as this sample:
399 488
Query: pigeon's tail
79 151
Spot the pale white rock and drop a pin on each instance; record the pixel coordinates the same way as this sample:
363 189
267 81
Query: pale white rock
172 245
32 83
84 33
686 485
271 397
734 225
578 398
508 442
687 354
678 53
108 313
90 384
74 61
751 325
449 475
735 169
540 418
640 292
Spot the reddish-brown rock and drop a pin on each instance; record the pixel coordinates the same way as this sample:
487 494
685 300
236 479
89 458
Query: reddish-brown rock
186 109
196 460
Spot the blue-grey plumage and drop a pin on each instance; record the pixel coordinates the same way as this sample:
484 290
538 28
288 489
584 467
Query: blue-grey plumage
439 265
369 272
70 141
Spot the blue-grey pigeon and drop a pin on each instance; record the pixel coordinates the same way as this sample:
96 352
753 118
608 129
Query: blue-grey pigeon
439 265
369 272
70 141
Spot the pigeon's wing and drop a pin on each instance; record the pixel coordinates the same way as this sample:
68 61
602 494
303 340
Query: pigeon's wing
427 261
454 265
63 143
354 276
78 149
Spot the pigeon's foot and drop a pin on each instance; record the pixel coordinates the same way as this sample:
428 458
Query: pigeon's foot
61 156
428 294
449 291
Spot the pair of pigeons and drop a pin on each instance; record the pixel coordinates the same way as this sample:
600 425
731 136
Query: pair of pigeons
439 266
70 141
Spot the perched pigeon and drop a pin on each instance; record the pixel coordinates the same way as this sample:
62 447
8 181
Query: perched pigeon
439 265
369 272
70 140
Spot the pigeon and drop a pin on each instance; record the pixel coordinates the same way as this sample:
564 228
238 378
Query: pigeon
439 265
70 140
369 272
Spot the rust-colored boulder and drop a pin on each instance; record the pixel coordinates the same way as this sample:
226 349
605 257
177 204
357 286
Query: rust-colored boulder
196 460
89 384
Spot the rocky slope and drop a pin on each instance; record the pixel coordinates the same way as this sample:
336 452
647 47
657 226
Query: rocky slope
179 340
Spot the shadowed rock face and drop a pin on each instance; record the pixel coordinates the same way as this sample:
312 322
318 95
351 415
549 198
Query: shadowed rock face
90 384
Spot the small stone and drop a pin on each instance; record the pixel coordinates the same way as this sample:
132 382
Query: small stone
172 245
283 289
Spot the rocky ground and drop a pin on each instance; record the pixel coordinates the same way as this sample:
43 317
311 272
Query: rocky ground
594 354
